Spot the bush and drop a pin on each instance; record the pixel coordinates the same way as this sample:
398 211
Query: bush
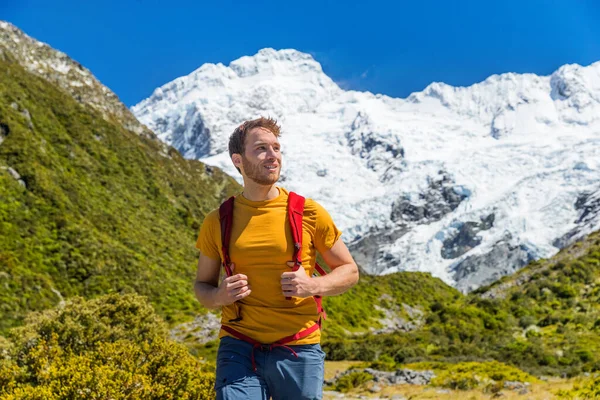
384 363
113 347
336 350
352 380
587 389
471 375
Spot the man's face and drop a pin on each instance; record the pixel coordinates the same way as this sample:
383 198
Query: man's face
261 161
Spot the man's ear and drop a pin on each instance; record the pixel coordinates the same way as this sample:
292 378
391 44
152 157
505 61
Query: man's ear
237 160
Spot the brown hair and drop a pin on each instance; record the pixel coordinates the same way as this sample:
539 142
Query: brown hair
237 140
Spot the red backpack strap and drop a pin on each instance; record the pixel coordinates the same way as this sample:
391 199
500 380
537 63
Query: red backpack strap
295 214
226 218
320 270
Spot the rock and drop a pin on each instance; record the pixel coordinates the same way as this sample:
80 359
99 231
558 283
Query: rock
413 312
392 322
380 152
204 328
15 175
466 237
366 250
523 391
513 385
504 258
441 198
588 206
399 377
4 131
24 112
27 116
375 388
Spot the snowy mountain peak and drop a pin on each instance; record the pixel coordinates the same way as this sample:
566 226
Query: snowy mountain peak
269 62
576 91
469 183
217 98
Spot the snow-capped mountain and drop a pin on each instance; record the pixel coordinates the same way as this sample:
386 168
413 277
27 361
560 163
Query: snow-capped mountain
468 183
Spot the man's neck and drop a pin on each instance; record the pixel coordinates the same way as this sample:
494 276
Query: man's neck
255 192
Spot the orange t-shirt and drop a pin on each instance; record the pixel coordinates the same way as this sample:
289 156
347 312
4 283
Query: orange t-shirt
261 244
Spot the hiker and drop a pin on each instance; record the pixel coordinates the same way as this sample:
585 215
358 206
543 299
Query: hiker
267 239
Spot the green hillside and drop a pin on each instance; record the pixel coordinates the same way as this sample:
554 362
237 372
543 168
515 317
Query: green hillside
89 208
545 319
364 305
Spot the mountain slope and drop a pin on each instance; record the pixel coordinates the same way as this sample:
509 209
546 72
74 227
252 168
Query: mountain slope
543 319
88 207
56 67
466 183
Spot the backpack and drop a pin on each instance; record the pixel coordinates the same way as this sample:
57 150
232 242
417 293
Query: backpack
295 214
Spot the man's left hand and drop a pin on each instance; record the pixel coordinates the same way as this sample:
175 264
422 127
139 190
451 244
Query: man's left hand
297 283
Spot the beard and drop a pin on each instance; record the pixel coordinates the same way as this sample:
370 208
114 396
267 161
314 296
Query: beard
259 174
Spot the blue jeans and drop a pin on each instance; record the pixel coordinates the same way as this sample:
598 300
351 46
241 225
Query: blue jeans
279 373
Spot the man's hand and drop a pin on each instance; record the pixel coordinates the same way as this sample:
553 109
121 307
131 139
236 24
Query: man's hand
232 289
297 283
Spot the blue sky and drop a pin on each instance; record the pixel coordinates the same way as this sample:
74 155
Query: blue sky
395 47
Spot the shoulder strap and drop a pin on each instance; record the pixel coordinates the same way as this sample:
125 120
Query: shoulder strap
226 218
295 214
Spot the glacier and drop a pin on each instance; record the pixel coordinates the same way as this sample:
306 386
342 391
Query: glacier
467 183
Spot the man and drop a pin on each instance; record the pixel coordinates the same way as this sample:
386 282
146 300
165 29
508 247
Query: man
263 299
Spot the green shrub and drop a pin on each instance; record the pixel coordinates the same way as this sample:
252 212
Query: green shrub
384 363
586 389
113 347
352 380
471 375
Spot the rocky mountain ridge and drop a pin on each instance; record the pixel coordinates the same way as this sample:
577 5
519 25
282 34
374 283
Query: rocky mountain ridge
58 68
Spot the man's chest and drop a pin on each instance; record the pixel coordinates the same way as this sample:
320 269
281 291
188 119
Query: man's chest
265 237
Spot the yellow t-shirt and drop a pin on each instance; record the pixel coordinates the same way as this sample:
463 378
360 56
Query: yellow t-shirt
261 244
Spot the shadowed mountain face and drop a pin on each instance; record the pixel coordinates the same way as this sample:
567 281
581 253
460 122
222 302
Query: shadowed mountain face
88 207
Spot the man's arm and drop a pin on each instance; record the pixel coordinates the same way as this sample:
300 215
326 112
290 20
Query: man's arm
343 275
208 291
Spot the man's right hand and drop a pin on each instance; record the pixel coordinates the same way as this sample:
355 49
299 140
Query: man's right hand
232 289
